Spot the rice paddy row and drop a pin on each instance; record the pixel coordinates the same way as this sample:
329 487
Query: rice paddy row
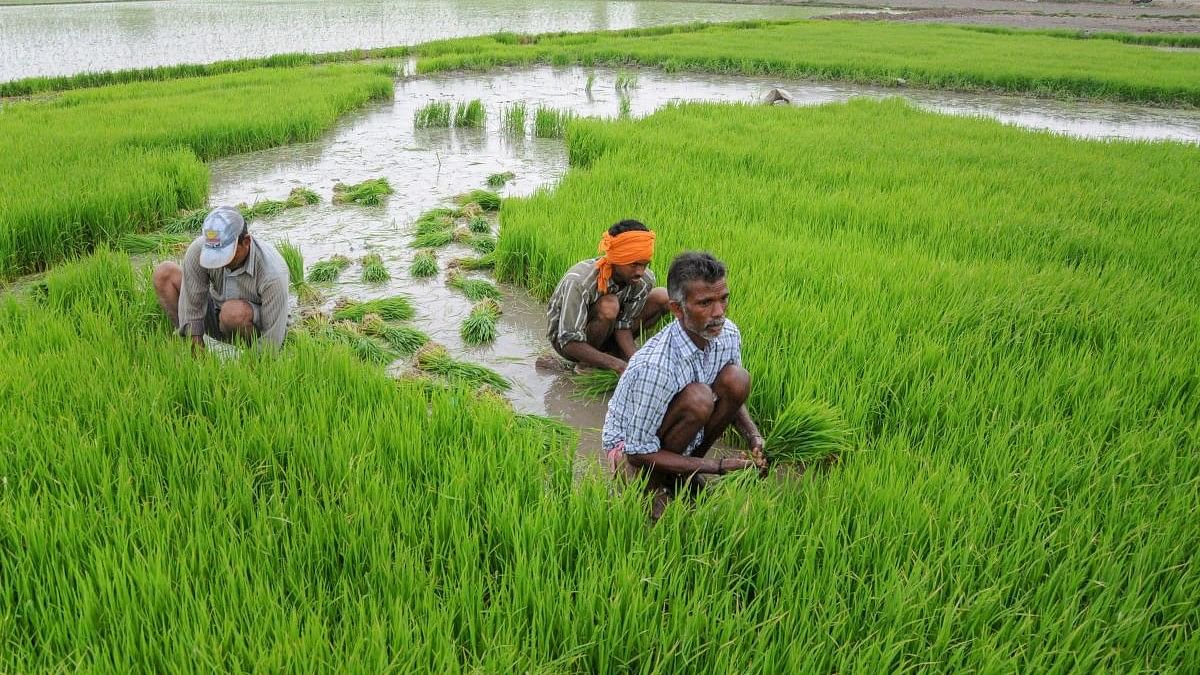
547 122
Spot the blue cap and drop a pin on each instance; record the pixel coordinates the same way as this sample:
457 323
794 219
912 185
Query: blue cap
222 227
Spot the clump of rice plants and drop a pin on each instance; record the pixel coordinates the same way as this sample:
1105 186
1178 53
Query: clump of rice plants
403 340
557 434
394 308
367 193
625 108
485 199
499 180
187 222
365 347
327 271
480 325
470 114
434 359
267 207
435 219
591 80
479 225
474 289
806 431
625 80
161 243
595 383
551 122
291 254
483 262
483 243
424 264
512 119
434 114
302 196
374 271
434 239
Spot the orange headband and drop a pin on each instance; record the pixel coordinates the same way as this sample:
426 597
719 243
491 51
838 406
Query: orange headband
625 248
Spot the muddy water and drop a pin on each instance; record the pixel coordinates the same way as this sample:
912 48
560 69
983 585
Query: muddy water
427 167
64 39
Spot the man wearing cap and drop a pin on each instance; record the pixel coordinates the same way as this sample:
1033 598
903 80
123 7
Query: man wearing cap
600 303
229 285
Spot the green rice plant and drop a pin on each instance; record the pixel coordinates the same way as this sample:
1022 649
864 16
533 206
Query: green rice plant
161 243
595 383
403 340
367 193
479 225
480 325
470 114
485 244
394 308
434 359
186 222
483 262
558 436
374 272
624 107
366 348
498 180
267 207
474 289
625 81
327 271
807 431
302 196
512 119
484 199
435 219
424 264
551 122
591 80
433 239
304 291
435 114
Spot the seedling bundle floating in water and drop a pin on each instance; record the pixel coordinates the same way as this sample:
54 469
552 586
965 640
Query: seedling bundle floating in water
474 289
486 199
424 264
470 114
367 193
498 180
395 308
404 340
807 431
373 270
480 325
327 271
595 383
434 359
302 196
295 263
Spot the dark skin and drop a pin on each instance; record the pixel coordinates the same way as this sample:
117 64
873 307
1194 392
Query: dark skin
237 317
603 316
698 406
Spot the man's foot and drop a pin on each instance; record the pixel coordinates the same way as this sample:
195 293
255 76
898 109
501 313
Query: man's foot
553 362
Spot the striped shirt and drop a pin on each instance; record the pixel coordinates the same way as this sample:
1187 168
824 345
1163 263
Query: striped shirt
578 291
262 280
666 364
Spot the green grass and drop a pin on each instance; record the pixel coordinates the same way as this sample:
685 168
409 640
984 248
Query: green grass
424 264
327 271
551 122
188 221
158 243
370 192
625 81
474 289
512 119
90 166
484 199
435 114
373 269
499 180
479 327
470 114
435 360
395 308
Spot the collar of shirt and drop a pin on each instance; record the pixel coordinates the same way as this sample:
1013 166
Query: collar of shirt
682 343
251 258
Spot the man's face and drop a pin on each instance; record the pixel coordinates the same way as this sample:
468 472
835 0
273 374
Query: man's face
632 273
239 257
703 309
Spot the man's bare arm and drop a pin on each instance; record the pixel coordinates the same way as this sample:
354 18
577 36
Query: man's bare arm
683 465
624 339
588 355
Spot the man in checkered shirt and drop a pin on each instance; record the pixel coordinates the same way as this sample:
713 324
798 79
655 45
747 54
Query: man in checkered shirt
685 386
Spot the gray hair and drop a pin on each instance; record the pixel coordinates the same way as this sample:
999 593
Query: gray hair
692 266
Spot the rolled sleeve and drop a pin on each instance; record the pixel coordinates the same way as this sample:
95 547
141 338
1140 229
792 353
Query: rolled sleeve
274 312
572 318
193 293
642 397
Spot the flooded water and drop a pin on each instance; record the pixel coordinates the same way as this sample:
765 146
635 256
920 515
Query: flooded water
427 167
64 39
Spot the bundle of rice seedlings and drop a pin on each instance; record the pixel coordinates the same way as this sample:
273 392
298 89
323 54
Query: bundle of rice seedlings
394 308
625 80
435 220
483 243
302 196
327 271
480 325
556 434
368 193
424 264
595 383
807 431
470 114
434 359
470 210
435 114
498 180
267 207
164 243
591 80
364 347
626 109
295 263
404 340
373 270
187 222
484 262
512 119
551 123
486 199
434 239
480 225
474 289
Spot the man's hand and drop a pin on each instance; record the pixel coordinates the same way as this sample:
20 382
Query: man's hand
725 466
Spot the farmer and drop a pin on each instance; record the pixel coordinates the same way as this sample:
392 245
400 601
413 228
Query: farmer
230 285
685 386
600 303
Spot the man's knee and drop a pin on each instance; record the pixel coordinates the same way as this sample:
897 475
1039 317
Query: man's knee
606 308
733 383
696 402
657 299
237 316
167 274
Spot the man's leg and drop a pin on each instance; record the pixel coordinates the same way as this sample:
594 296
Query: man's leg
602 318
731 389
656 307
237 320
168 279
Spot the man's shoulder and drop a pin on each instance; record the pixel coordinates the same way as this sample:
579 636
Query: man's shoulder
582 269
272 268
655 355
191 256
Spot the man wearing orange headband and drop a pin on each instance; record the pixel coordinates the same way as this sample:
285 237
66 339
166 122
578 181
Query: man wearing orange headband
600 303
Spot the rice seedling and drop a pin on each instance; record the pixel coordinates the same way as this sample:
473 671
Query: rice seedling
302 196
266 207
474 289
499 180
161 243
483 243
591 80
367 193
595 383
374 271
434 359
512 119
806 431
394 308
480 225
484 199
187 222
483 262
327 271
403 340
433 239
304 291
424 264
625 81
469 210
558 436
434 114
480 325
470 114
551 122
624 107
